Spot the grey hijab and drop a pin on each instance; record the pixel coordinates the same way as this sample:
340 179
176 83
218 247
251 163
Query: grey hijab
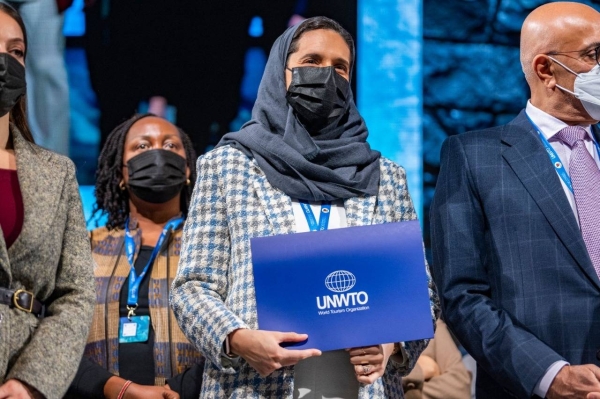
336 163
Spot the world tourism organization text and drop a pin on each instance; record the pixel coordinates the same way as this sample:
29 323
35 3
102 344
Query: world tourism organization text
346 310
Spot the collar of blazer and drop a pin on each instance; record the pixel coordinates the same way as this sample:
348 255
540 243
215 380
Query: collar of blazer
41 180
278 206
527 157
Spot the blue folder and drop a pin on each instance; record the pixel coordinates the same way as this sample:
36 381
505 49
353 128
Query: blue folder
345 288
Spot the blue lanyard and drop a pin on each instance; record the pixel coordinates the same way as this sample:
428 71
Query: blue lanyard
323 216
558 165
134 279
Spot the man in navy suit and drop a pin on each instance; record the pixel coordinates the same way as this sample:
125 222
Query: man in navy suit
516 222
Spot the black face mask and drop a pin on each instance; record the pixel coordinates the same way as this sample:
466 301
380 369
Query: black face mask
319 96
156 176
12 82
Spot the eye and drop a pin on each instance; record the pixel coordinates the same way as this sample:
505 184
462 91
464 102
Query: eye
142 146
171 145
590 55
18 53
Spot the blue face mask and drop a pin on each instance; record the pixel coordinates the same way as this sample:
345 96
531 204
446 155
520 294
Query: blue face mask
587 89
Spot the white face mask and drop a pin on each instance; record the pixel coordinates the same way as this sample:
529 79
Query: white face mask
587 89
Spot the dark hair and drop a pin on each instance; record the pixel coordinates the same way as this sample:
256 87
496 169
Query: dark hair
18 115
315 23
109 196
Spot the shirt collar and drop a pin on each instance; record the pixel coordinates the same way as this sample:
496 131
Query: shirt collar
548 124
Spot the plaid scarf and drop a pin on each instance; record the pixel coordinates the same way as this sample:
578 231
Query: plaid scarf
172 351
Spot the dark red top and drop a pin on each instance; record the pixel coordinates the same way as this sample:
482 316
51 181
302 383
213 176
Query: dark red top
11 206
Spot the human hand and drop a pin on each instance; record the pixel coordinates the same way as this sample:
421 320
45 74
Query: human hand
113 387
370 361
576 382
429 366
136 391
262 350
15 389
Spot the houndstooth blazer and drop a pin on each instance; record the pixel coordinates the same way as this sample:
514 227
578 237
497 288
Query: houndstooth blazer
213 293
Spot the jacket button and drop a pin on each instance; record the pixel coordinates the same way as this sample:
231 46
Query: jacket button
598 354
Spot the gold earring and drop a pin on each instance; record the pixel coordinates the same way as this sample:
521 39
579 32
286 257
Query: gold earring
122 185
188 182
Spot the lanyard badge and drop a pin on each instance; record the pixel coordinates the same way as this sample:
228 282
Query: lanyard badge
135 328
323 222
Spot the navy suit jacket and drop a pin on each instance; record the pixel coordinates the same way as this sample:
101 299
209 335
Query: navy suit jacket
516 283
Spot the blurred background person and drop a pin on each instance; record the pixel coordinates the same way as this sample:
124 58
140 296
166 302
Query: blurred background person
47 83
46 284
439 372
142 48
137 49
144 183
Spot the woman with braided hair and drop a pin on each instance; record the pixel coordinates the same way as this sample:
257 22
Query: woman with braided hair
110 196
135 348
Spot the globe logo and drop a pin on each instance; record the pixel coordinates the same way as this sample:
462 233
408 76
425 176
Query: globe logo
340 281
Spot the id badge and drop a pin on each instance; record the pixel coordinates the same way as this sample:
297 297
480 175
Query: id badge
134 329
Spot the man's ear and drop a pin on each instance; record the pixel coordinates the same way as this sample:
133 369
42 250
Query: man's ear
543 69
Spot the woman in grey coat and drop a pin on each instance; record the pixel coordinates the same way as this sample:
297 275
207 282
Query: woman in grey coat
46 282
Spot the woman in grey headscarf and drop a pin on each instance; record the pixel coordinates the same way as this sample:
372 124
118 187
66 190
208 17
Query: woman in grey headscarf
303 151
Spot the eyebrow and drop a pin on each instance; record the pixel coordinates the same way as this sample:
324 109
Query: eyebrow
150 136
319 56
592 46
16 40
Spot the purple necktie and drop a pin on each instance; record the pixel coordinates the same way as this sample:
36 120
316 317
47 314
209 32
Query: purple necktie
585 178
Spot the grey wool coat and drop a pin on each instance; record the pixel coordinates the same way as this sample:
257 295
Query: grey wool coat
52 258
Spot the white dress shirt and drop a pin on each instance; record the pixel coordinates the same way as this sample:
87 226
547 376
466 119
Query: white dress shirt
549 126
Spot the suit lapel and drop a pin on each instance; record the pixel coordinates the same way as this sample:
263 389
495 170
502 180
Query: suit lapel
527 157
41 183
277 205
